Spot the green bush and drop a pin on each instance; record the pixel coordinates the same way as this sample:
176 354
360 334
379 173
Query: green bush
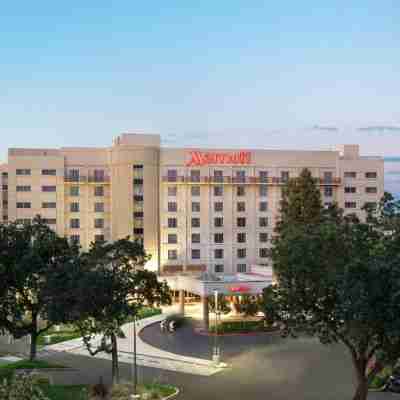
21 387
241 327
145 312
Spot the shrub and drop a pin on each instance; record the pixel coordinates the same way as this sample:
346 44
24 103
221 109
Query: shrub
21 387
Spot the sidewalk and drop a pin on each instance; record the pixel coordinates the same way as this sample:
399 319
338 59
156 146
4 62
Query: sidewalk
146 355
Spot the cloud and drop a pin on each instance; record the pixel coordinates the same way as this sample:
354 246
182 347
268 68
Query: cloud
380 128
325 128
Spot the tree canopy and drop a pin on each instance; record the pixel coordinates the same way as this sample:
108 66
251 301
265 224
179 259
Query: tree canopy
338 278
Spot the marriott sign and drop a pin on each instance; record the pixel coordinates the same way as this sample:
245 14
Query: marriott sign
198 158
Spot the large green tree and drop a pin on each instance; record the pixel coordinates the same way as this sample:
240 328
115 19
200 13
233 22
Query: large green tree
338 278
113 288
36 267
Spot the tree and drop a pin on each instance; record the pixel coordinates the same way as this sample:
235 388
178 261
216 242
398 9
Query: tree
114 287
34 264
338 279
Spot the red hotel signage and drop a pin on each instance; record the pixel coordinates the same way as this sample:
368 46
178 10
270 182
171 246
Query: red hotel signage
239 289
205 158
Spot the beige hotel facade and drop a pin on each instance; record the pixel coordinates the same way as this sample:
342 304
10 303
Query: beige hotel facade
194 209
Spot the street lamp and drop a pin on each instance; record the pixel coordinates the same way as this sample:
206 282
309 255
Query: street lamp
216 352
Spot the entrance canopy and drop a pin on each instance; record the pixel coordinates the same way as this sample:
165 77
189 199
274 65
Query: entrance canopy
204 285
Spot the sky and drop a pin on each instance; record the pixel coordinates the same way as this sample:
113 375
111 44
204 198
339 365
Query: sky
286 74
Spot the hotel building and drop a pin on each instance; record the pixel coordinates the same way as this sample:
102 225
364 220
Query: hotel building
195 210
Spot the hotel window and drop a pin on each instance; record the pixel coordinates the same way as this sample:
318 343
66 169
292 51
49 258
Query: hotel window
370 205
5 188
99 191
195 237
138 198
195 191
241 206
218 176
218 253
98 207
219 268
241 268
49 221
74 223
98 175
218 222
218 190
195 254
263 252
49 188
241 176
370 175
195 222
218 206
241 253
172 254
99 223
263 175
73 175
138 215
371 189
240 191
51 172
263 222
195 206
328 177
172 191
328 191
327 204
23 172
74 207
23 188
350 189
172 223
350 204
23 205
4 174
263 190
241 222
241 237
138 167
172 175
74 191
75 239
24 221
218 238
172 206
99 238
195 175
263 237
172 238
284 176
263 206
350 174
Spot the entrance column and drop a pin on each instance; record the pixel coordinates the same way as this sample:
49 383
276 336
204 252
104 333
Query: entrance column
204 302
182 302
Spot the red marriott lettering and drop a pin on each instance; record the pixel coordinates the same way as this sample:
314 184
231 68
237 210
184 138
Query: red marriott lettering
201 158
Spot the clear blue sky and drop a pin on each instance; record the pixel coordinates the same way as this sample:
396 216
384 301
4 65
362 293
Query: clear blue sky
246 73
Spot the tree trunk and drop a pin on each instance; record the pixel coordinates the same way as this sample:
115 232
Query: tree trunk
362 381
114 356
32 355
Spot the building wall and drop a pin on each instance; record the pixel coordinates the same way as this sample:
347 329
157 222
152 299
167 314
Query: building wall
124 189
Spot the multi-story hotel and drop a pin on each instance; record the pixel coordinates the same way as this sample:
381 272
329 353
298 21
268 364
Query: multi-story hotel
195 210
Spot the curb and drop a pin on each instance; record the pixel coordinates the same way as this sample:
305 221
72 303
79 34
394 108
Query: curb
203 332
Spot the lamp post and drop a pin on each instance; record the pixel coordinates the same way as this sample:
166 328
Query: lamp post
134 365
216 352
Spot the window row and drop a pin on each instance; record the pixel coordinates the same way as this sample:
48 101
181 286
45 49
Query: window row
74 223
218 253
241 222
368 189
27 188
219 268
353 175
75 207
241 237
219 191
25 171
77 238
218 206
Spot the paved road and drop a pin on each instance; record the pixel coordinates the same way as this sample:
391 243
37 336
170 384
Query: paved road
262 367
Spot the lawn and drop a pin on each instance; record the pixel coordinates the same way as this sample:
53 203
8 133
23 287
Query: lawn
67 332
